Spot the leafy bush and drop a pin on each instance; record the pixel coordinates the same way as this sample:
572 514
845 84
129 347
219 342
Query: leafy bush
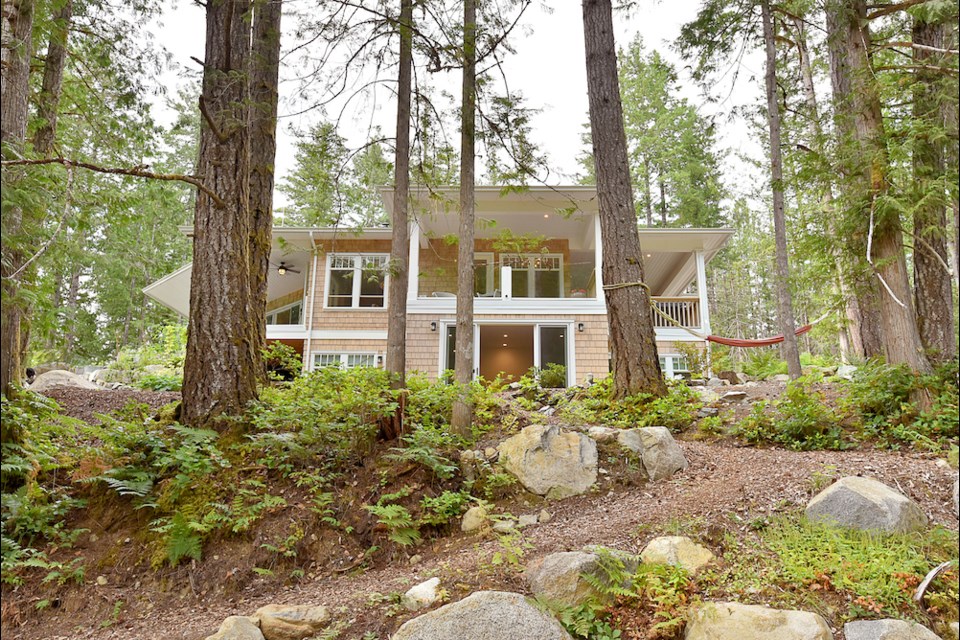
161 381
764 363
283 362
444 507
676 410
329 416
800 420
884 397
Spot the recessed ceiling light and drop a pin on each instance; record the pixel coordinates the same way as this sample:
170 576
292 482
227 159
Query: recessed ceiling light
504 344
546 215
505 336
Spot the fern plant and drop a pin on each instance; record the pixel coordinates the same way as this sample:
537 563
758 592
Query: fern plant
401 527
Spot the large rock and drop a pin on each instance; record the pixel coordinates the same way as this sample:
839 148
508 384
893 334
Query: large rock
238 628
679 551
887 630
474 519
551 462
291 622
558 577
866 504
660 455
733 621
484 615
61 378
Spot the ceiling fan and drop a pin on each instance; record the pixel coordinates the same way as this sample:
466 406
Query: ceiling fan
283 269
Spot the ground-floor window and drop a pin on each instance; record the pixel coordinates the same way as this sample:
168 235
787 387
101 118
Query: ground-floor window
674 366
345 360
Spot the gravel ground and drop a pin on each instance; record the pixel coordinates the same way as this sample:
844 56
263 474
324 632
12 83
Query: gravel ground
85 404
725 485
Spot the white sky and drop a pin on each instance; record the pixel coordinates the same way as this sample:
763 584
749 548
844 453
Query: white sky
548 68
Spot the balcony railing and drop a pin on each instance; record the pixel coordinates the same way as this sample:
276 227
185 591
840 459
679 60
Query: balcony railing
684 311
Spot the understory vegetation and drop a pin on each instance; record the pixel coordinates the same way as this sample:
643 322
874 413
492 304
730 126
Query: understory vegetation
304 472
786 563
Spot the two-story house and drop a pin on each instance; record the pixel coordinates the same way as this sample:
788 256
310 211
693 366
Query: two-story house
538 286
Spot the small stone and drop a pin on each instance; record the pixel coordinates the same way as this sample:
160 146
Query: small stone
887 630
102 581
474 519
467 456
676 550
713 383
544 516
603 434
527 520
238 628
706 412
422 596
291 622
734 396
504 526
846 371
780 377
558 577
415 559
490 453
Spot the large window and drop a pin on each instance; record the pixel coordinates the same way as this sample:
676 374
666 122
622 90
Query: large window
535 275
357 281
288 314
345 360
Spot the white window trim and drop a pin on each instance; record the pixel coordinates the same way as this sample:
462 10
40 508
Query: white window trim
356 282
273 312
531 272
343 355
670 361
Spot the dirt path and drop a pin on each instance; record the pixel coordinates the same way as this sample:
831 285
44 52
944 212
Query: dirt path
725 486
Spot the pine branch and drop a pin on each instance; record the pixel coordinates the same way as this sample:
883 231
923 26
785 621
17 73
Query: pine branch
918 47
138 171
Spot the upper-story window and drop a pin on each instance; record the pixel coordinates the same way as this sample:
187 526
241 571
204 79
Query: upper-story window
535 275
357 281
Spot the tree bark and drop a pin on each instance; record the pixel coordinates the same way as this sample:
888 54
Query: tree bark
48 103
862 139
222 362
264 77
933 288
784 299
646 191
848 347
17 23
636 366
396 361
463 368
863 315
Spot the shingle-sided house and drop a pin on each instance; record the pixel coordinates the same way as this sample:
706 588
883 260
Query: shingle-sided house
539 291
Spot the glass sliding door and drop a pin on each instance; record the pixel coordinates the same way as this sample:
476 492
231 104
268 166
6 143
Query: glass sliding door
553 355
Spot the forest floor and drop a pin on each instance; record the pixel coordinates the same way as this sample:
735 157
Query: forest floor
725 492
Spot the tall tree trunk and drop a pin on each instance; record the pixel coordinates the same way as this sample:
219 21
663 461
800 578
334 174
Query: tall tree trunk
70 321
864 147
636 366
663 199
48 103
848 348
784 299
396 362
264 77
863 316
648 197
932 282
16 47
463 367
222 363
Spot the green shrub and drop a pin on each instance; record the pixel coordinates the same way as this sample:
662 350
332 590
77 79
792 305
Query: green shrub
676 410
764 363
329 416
800 419
161 381
441 509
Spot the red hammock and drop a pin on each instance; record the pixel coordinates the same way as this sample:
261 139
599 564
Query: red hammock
760 342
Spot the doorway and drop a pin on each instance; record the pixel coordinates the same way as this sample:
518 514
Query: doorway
505 349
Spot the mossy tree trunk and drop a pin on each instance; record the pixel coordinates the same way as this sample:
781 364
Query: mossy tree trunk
223 362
